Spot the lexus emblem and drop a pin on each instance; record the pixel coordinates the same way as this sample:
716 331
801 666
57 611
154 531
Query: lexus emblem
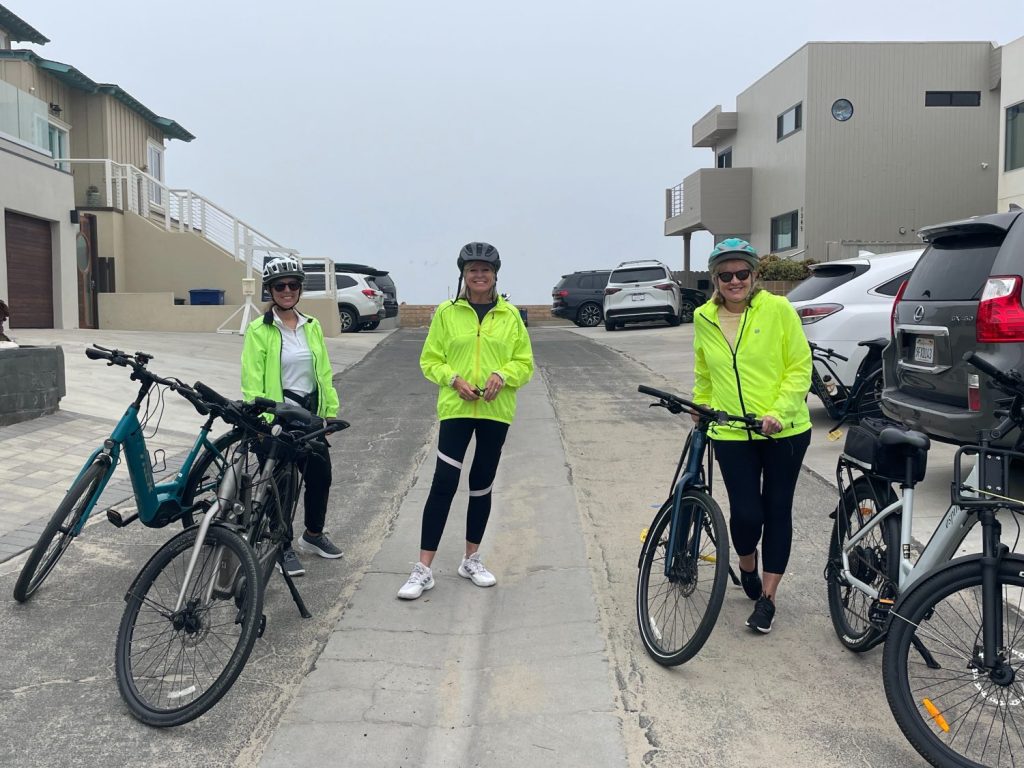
918 314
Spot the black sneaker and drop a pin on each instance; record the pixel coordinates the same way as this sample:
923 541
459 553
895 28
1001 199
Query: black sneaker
292 564
763 616
319 545
751 581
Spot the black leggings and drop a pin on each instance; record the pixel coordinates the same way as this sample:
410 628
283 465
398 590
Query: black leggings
452 443
760 477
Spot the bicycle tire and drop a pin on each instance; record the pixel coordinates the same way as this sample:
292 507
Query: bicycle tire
204 477
261 533
65 519
868 401
944 612
663 622
180 638
875 561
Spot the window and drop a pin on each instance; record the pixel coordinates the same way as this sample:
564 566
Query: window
637 275
725 158
784 229
58 143
344 281
954 269
952 98
155 168
823 279
892 287
1015 137
789 122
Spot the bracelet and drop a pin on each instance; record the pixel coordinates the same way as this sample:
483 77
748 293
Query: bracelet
451 381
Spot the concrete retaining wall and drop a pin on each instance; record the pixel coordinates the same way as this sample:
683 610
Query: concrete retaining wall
418 315
31 383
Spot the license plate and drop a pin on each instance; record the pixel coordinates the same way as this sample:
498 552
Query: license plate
638 297
924 350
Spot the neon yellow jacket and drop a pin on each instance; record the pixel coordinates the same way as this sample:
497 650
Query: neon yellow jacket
768 375
458 343
261 363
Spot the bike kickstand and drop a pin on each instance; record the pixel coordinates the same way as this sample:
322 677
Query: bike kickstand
303 611
929 660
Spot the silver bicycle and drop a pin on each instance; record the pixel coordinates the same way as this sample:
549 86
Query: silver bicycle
953 626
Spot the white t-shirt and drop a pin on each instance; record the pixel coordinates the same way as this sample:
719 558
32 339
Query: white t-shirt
296 357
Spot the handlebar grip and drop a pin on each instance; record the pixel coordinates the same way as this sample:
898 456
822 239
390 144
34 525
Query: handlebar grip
837 355
193 398
643 388
264 403
95 354
211 395
983 365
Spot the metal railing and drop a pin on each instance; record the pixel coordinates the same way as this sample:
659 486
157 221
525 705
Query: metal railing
674 201
127 188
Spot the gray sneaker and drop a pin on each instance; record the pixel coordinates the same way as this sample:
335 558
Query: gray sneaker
319 545
292 564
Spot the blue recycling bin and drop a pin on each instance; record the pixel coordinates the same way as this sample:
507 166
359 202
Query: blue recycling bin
206 296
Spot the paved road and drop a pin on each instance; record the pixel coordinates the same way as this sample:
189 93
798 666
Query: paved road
546 669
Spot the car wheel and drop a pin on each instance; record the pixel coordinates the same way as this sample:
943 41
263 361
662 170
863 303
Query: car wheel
371 326
673 320
609 325
686 310
349 320
589 315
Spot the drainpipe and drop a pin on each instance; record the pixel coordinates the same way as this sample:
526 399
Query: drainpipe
686 252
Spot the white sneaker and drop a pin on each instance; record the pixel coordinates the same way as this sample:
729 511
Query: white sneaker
472 568
420 579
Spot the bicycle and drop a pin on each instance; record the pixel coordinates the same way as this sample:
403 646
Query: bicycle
685 554
195 610
157 504
860 399
963 617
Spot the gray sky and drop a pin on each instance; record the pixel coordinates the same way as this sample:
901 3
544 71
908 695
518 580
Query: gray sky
390 133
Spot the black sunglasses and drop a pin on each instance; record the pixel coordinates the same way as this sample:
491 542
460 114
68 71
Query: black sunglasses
726 277
289 286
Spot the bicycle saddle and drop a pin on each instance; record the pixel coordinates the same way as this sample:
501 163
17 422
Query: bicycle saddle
891 436
879 344
293 415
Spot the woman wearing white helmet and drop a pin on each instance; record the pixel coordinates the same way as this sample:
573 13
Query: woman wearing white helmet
751 356
285 358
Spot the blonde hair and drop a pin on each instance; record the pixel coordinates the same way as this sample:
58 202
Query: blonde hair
755 288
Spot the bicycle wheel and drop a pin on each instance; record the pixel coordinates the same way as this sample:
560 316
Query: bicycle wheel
875 560
677 612
957 715
172 666
60 531
204 477
263 534
869 398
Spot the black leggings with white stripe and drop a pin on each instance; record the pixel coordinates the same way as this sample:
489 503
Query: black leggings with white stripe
452 443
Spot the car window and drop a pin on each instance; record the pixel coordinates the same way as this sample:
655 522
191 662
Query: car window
344 281
594 281
372 282
637 275
823 279
385 282
953 269
562 283
314 282
892 287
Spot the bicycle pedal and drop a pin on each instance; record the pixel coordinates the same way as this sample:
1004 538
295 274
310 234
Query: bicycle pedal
120 519
834 435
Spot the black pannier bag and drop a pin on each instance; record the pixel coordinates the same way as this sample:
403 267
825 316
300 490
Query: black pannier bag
885 461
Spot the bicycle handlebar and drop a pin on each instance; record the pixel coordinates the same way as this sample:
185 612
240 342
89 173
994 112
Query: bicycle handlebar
678 404
828 352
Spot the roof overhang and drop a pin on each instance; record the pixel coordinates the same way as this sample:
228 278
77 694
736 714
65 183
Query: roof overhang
18 30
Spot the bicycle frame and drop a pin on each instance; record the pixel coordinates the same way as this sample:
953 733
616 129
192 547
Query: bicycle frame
693 478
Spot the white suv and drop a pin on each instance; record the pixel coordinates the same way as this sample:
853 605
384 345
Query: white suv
638 291
360 302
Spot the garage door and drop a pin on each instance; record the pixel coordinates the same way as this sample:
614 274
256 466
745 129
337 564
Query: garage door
29 271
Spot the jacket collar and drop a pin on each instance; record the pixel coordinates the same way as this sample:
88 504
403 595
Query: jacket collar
709 310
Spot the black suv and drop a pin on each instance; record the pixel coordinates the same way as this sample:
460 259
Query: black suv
580 297
963 295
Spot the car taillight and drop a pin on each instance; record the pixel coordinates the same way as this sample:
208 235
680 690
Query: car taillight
895 303
1000 314
973 392
664 286
610 291
562 294
815 312
369 292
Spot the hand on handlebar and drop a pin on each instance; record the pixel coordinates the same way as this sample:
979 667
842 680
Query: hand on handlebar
770 425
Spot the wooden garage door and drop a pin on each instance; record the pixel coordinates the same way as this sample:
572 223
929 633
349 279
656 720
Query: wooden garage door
29 271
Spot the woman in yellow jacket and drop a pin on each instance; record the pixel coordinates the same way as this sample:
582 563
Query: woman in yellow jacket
478 353
751 357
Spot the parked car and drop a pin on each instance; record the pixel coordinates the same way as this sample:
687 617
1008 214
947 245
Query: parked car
579 296
639 291
845 302
360 301
964 295
691 299
382 280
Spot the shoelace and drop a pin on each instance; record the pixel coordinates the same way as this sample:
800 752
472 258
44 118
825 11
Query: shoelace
419 575
474 566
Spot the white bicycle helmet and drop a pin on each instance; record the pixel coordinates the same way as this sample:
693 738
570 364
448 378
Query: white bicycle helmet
282 266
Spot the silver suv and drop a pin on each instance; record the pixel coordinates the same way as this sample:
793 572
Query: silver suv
638 291
964 295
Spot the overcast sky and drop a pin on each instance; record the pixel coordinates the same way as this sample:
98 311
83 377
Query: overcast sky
390 133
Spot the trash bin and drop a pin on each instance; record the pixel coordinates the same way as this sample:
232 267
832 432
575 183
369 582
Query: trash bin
205 296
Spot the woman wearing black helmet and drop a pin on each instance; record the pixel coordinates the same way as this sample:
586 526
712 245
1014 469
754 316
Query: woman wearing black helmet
478 353
285 358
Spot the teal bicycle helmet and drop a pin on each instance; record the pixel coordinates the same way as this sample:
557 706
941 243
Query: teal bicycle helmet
733 248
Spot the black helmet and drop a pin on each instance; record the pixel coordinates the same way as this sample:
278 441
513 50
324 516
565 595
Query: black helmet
484 252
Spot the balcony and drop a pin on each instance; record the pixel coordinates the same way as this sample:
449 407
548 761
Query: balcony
714 127
715 199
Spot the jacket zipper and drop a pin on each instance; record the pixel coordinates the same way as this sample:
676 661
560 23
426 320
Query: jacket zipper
735 366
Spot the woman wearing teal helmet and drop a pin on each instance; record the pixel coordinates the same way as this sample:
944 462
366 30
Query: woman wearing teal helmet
751 356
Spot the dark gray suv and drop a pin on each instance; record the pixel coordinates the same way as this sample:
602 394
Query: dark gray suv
964 294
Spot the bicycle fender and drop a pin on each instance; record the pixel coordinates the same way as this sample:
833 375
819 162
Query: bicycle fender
1011 557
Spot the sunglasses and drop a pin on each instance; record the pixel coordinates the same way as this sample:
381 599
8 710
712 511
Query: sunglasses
741 275
289 286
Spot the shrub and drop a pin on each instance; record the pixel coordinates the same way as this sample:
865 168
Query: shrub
776 268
